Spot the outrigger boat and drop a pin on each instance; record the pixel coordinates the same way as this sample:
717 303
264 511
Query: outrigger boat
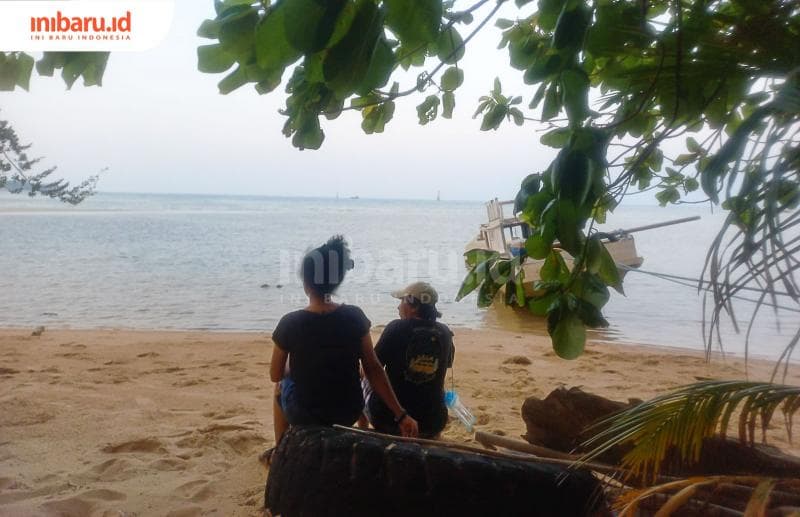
506 234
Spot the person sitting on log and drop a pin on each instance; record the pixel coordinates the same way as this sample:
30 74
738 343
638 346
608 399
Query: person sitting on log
416 351
322 345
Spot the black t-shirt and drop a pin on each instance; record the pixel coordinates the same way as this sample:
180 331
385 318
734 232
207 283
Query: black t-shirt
324 350
416 354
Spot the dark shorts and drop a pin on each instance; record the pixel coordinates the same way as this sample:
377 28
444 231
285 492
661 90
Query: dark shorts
295 414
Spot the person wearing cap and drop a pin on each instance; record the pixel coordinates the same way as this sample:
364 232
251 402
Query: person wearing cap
416 351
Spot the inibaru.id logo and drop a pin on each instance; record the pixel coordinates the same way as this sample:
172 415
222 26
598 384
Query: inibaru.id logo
60 27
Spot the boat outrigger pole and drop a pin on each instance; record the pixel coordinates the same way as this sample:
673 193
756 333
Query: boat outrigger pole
655 225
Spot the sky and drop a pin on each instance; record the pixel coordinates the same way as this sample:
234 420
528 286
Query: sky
159 125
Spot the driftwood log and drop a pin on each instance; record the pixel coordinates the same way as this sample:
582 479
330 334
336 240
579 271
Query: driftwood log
561 421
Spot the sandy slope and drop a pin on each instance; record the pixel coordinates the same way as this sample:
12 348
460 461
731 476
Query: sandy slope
170 423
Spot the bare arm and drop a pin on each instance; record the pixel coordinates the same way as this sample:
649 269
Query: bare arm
278 364
377 378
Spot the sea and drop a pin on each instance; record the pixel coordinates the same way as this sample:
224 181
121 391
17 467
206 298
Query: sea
229 263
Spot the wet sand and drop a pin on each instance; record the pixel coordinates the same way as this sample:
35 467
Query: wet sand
123 423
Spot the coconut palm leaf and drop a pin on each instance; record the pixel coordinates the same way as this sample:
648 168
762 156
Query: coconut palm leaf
735 495
682 419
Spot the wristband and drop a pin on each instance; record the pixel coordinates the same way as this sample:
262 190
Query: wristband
400 418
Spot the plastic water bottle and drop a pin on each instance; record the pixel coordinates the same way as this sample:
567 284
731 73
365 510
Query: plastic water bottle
457 409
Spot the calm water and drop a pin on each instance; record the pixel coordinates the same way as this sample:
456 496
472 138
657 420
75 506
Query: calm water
229 263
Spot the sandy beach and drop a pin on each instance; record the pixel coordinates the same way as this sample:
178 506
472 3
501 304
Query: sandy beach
124 423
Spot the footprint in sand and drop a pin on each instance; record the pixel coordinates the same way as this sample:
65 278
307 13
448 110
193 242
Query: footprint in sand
517 359
8 371
168 464
11 484
103 494
113 470
196 491
71 506
189 511
185 383
140 445
148 354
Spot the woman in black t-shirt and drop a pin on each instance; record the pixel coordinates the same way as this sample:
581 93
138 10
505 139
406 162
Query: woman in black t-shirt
317 351
417 351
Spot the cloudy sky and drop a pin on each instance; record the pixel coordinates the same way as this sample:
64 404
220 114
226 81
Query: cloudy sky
161 126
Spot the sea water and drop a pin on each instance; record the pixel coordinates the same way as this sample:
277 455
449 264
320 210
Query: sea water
148 261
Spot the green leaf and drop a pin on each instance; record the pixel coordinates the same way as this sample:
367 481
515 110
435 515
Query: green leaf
569 336
594 254
9 71
554 268
572 176
576 94
238 35
589 288
474 278
450 46
552 102
690 184
273 50
538 96
448 104
519 287
380 67
209 29
542 68
214 59
376 117
537 247
347 63
487 292
571 26
607 270
557 138
503 23
517 116
685 159
24 68
476 256
232 81
541 305
667 196
548 13
428 109
569 231
309 135
414 22
493 118
452 78
309 24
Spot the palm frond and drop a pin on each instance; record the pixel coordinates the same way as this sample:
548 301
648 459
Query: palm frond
735 495
680 421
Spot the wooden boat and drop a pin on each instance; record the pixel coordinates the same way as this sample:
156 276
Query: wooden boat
505 234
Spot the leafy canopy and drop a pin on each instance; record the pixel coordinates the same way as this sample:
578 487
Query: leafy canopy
617 82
